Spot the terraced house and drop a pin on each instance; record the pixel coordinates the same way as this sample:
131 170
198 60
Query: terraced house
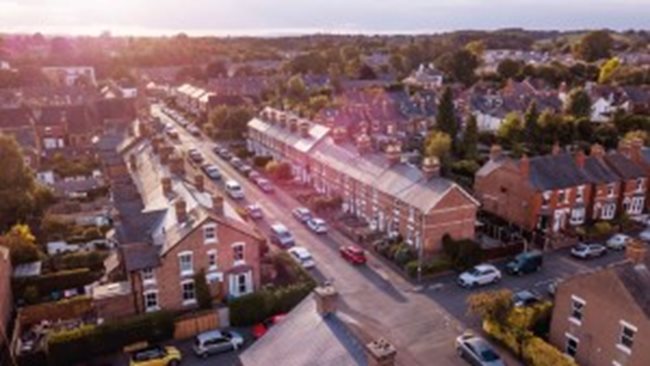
553 192
394 197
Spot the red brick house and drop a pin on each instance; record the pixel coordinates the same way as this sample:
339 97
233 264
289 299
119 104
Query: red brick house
6 300
602 318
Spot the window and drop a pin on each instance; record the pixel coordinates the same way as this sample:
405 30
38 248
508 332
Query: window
577 216
563 197
212 260
626 339
188 292
151 301
242 283
148 277
571 345
238 253
577 309
640 184
185 263
546 199
608 212
580 194
610 189
210 233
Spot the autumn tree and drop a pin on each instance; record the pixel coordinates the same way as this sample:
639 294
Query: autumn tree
509 68
594 46
459 65
491 305
21 244
511 130
437 144
608 69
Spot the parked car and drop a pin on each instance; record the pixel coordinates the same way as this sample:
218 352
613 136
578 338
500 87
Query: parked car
645 235
216 341
254 211
195 155
260 329
225 154
195 131
525 298
588 250
234 190
353 254
524 263
302 214
254 176
212 171
236 162
477 351
317 225
156 356
281 235
265 185
303 257
617 241
245 169
173 134
481 274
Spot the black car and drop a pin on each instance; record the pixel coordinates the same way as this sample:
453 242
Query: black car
524 263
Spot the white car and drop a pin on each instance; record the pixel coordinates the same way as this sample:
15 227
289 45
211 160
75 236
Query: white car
588 250
302 214
645 235
302 256
317 225
234 190
481 274
617 241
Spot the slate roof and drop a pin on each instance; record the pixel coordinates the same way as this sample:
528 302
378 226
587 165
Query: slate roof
306 338
15 118
625 167
599 171
316 133
559 171
636 279
138 256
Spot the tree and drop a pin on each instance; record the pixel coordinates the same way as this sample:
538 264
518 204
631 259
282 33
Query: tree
437 144
511 130
203 296
491 305
608 69
229 122
459 65
21 198
296 89
530 123
470 138
594 46
216 69
578 103
476 48
637 135
446 119
398 63
509 68
366 73
21 244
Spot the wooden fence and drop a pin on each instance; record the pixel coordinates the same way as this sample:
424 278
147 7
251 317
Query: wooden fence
195 323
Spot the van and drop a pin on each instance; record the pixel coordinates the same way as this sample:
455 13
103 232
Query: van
280 235
234 190
216 341
524 263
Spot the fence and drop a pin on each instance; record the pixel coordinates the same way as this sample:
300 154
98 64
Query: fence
193 324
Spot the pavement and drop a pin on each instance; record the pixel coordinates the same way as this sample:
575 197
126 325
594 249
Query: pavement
422 321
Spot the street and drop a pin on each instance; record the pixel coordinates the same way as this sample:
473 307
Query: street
421 321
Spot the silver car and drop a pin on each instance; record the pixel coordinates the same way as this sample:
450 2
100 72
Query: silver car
217 341
476 351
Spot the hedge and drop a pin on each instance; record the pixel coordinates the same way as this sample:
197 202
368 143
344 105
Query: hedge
429 267
462 253
255 307
57 281
71 346
93 260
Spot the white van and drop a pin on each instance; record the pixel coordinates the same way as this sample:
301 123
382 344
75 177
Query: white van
234 190
281 235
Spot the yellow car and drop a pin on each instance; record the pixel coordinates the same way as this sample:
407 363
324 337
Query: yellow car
156 356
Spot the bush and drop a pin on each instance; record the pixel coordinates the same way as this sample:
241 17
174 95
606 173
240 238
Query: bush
203 296
404 254
280 171
462 253
255 307
93 261
64 348
260 161
57 281
429 267
536 352
602 229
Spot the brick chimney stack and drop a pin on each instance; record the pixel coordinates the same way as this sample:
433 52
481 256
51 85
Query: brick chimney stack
218 204
166 183
580 159
181 210
133 162
364 143
431 167
636 145
199 182
495 152
303 126
597 151
625 148
176 165
393 154
635 251
556 149
381 353
165 151
293 124
326 298
338 134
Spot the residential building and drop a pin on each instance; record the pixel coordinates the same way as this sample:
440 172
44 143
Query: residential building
602 318
178 230
6 299
426 77
71 75
395 198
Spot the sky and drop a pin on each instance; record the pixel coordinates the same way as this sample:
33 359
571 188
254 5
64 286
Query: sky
279 17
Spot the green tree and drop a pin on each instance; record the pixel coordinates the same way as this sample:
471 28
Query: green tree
508 68
446 119
608 69
470 138
459 65
511 130
216 69
21 198
594 46
437 144
203 296
491 305
296 89
477 48
578 103
530 123
21 244
228 122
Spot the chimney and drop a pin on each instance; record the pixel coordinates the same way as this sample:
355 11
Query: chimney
580 159
273 116
181 210
431 167
556 149
597 151
524 166
293 124
326 298
338 134
381 353
393 154
390 129
133 162
636 145
165 151
176 165
625 148
166 184
218 204
635 251
363 143
304 129
199 182
155 144
282 119
495 152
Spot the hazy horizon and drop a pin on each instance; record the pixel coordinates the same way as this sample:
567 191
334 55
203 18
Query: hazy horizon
293 17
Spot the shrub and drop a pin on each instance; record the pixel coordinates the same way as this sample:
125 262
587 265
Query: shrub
57 281
462 253
93 261
404 254
602 229
536 352
429 267
202 290
280 171
261 161
255 307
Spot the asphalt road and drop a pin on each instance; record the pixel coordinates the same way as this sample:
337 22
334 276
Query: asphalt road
421 321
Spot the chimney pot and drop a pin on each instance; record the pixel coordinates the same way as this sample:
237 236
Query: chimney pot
199 182
431 167
635 251
166 184
218 204
393 154
597 151
326 298
304 129
181 211
176 165
381 353
363 143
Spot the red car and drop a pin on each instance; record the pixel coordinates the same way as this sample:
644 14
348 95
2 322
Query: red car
353 254
260 329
